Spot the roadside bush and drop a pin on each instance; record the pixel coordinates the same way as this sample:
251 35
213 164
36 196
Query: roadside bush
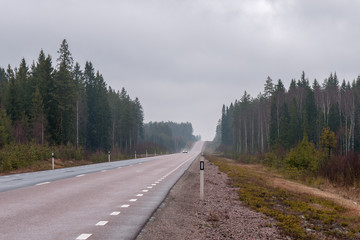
303 157
16 156
275 158
272 160
69 152
19 156
98 157
344 170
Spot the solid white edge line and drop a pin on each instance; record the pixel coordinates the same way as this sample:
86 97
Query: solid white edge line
81 175
42 183
84 236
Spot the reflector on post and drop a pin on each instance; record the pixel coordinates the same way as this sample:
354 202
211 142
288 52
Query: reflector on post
202 166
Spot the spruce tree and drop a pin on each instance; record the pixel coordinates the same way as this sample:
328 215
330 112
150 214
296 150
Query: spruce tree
81 106
99 115
3 87
13 98
65 97
37 118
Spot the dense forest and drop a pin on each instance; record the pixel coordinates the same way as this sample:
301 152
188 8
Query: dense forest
62 108
64 104
169 136
311 127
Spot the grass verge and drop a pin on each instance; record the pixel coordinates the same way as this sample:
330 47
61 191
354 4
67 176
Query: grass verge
299 216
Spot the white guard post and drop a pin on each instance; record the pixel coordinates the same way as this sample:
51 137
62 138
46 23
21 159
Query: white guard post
202 166
52 161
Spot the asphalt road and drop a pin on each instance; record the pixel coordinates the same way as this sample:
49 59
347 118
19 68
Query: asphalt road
100 201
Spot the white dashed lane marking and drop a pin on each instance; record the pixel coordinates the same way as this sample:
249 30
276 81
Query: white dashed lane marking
84 236
101 223
42 183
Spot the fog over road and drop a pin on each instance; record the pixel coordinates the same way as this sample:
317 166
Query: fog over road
101 201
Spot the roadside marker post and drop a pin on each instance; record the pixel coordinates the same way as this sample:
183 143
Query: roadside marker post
52 160
202 167
135 154
109 156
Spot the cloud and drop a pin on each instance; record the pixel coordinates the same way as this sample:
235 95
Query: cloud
184 59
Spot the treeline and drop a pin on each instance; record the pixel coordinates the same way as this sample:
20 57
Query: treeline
293 120
169 136
64 104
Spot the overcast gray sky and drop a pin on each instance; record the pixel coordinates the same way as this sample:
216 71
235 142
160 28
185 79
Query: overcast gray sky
184 59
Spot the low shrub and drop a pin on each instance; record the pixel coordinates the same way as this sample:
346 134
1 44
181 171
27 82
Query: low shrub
16 156
299 215
98 157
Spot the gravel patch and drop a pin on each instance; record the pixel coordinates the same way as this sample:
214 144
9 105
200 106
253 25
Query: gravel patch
220 216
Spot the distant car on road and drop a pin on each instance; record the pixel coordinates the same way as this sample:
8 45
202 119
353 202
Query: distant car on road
185 151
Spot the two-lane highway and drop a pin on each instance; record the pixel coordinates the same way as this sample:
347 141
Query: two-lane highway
106 202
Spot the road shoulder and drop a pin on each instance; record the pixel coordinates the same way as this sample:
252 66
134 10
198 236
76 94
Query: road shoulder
220 216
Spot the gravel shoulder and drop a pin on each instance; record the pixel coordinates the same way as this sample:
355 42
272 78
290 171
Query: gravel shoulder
220 216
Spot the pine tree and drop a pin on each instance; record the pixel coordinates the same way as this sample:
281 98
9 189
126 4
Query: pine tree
37 117
295 132
3 86
81 106
284 136
13 98
5 128
309 116
43 79
65 97
268 88
99 115
139 121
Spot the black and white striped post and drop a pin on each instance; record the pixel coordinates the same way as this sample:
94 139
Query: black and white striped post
52 160
202 166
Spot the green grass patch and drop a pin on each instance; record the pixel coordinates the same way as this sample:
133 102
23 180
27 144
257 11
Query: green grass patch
299 216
